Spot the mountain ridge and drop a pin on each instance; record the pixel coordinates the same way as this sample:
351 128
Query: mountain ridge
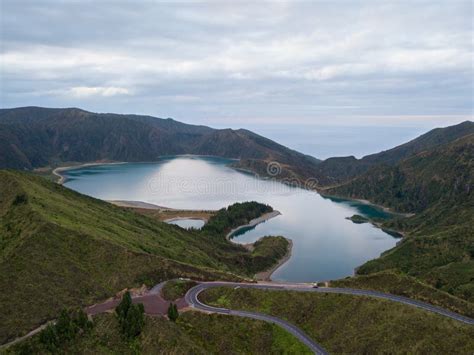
36 137
337 170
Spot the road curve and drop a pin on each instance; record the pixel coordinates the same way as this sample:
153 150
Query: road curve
193 300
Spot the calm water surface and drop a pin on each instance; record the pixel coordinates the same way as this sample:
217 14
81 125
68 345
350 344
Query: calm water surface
325 244
188 223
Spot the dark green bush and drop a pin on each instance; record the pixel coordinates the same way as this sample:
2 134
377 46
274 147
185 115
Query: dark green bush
131 317
233 216
69 324
173 313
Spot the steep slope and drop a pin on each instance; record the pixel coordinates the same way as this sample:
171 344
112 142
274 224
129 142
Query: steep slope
441 175
35 137
438 185
59 248
337 170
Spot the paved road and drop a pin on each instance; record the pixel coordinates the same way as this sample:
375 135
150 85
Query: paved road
193 301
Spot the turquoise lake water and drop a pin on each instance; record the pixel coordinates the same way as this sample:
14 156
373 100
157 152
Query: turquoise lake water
325 244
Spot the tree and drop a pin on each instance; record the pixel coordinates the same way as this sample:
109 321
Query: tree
69 324
49 338
65 327
173 313
130 316
133 324
124 306
80 319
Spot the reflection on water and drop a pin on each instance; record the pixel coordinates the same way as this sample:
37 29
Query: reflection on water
188 223
326 245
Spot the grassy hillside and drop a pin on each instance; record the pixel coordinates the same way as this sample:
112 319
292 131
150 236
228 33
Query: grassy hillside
59 248
353 324
35 137
438 186
444 174
337 170
193 333
399 283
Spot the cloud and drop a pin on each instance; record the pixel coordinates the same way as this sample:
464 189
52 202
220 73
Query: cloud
84 91
273 60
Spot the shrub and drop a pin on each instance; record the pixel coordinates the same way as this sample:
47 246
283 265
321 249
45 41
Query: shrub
49 338
124 306
131 317
69 324
173 313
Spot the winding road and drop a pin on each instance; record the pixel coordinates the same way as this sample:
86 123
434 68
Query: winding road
192 298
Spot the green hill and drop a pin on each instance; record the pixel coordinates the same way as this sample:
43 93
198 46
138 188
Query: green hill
59 248
346 324
437 185
337 170
32 137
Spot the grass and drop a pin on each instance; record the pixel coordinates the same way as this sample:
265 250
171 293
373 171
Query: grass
401 284
353 324
441 258
436 185
61 249
268 251
193 333
175 289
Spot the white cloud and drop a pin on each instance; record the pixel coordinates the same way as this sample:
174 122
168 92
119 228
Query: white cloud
84 91
296 59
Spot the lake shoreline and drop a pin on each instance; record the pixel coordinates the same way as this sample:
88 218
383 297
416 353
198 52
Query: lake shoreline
366 202
309 210
267 274
62 179
253 223
174 219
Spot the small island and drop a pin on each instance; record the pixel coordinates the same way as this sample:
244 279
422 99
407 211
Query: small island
358 219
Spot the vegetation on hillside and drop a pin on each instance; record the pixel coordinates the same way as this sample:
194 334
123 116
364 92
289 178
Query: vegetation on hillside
70 325
398 283
192 333
131 317
174 289
267 251
337 170
79 250
353 324
32 137
438 185
444 174
233 216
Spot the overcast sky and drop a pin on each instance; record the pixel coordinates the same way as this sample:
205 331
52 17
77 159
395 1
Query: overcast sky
243 63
